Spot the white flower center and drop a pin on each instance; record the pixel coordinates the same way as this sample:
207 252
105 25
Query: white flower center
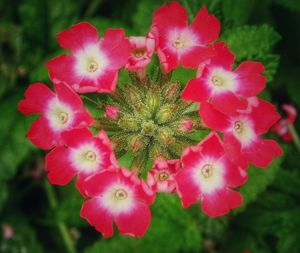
243 131
86 158
222 80
59 115
118 198
182 40
209 175
91 61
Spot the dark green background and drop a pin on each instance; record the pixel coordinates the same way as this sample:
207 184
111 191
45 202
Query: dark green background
269 220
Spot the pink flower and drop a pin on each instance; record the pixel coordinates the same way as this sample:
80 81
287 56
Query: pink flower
7 231
82 155
177 42
142 49
111 111
117 196
242 130
60 112
94 63
207 176
161 177
282 126
217 82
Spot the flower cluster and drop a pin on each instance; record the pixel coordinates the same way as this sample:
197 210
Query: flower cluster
151 118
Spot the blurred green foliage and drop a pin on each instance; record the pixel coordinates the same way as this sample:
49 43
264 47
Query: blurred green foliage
262 30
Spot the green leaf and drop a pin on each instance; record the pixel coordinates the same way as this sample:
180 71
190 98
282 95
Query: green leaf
248 42
292 5
13 128
24 238
237 11
271 62
258 181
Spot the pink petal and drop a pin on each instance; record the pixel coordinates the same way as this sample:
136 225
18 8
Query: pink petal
220 203
135 222
223 57
172 14
77 137
234 177
59 167
188 192
213 118
196 90
262 152
291 113
228 103
233 150
41 135
168 58
207 26
249 76
116 48
196 55
264 116
108 81
98 217
37 96
96 184
78 36
212 146
67 95
82 119
61 69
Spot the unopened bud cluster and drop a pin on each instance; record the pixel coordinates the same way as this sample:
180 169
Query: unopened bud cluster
153 121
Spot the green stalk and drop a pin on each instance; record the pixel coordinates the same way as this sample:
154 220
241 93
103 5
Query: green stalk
295 136
63 230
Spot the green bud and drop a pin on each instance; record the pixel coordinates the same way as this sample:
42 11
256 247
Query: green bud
171 91
153 100
166 113
136 143
129 123
148 128
165 136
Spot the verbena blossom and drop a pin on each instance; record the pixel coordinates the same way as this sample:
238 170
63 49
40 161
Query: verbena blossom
161 177
117 196
282 126
60 112
94 63
242 132
179 43
217 82
82 154
207 176
152 118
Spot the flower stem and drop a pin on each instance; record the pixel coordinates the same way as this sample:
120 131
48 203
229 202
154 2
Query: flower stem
295 136
63 230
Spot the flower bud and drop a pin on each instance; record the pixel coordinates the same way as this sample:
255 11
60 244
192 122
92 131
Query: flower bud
135 143
165 113
128 122
111 112
153 100
187 125
171 91
148 128
165 136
